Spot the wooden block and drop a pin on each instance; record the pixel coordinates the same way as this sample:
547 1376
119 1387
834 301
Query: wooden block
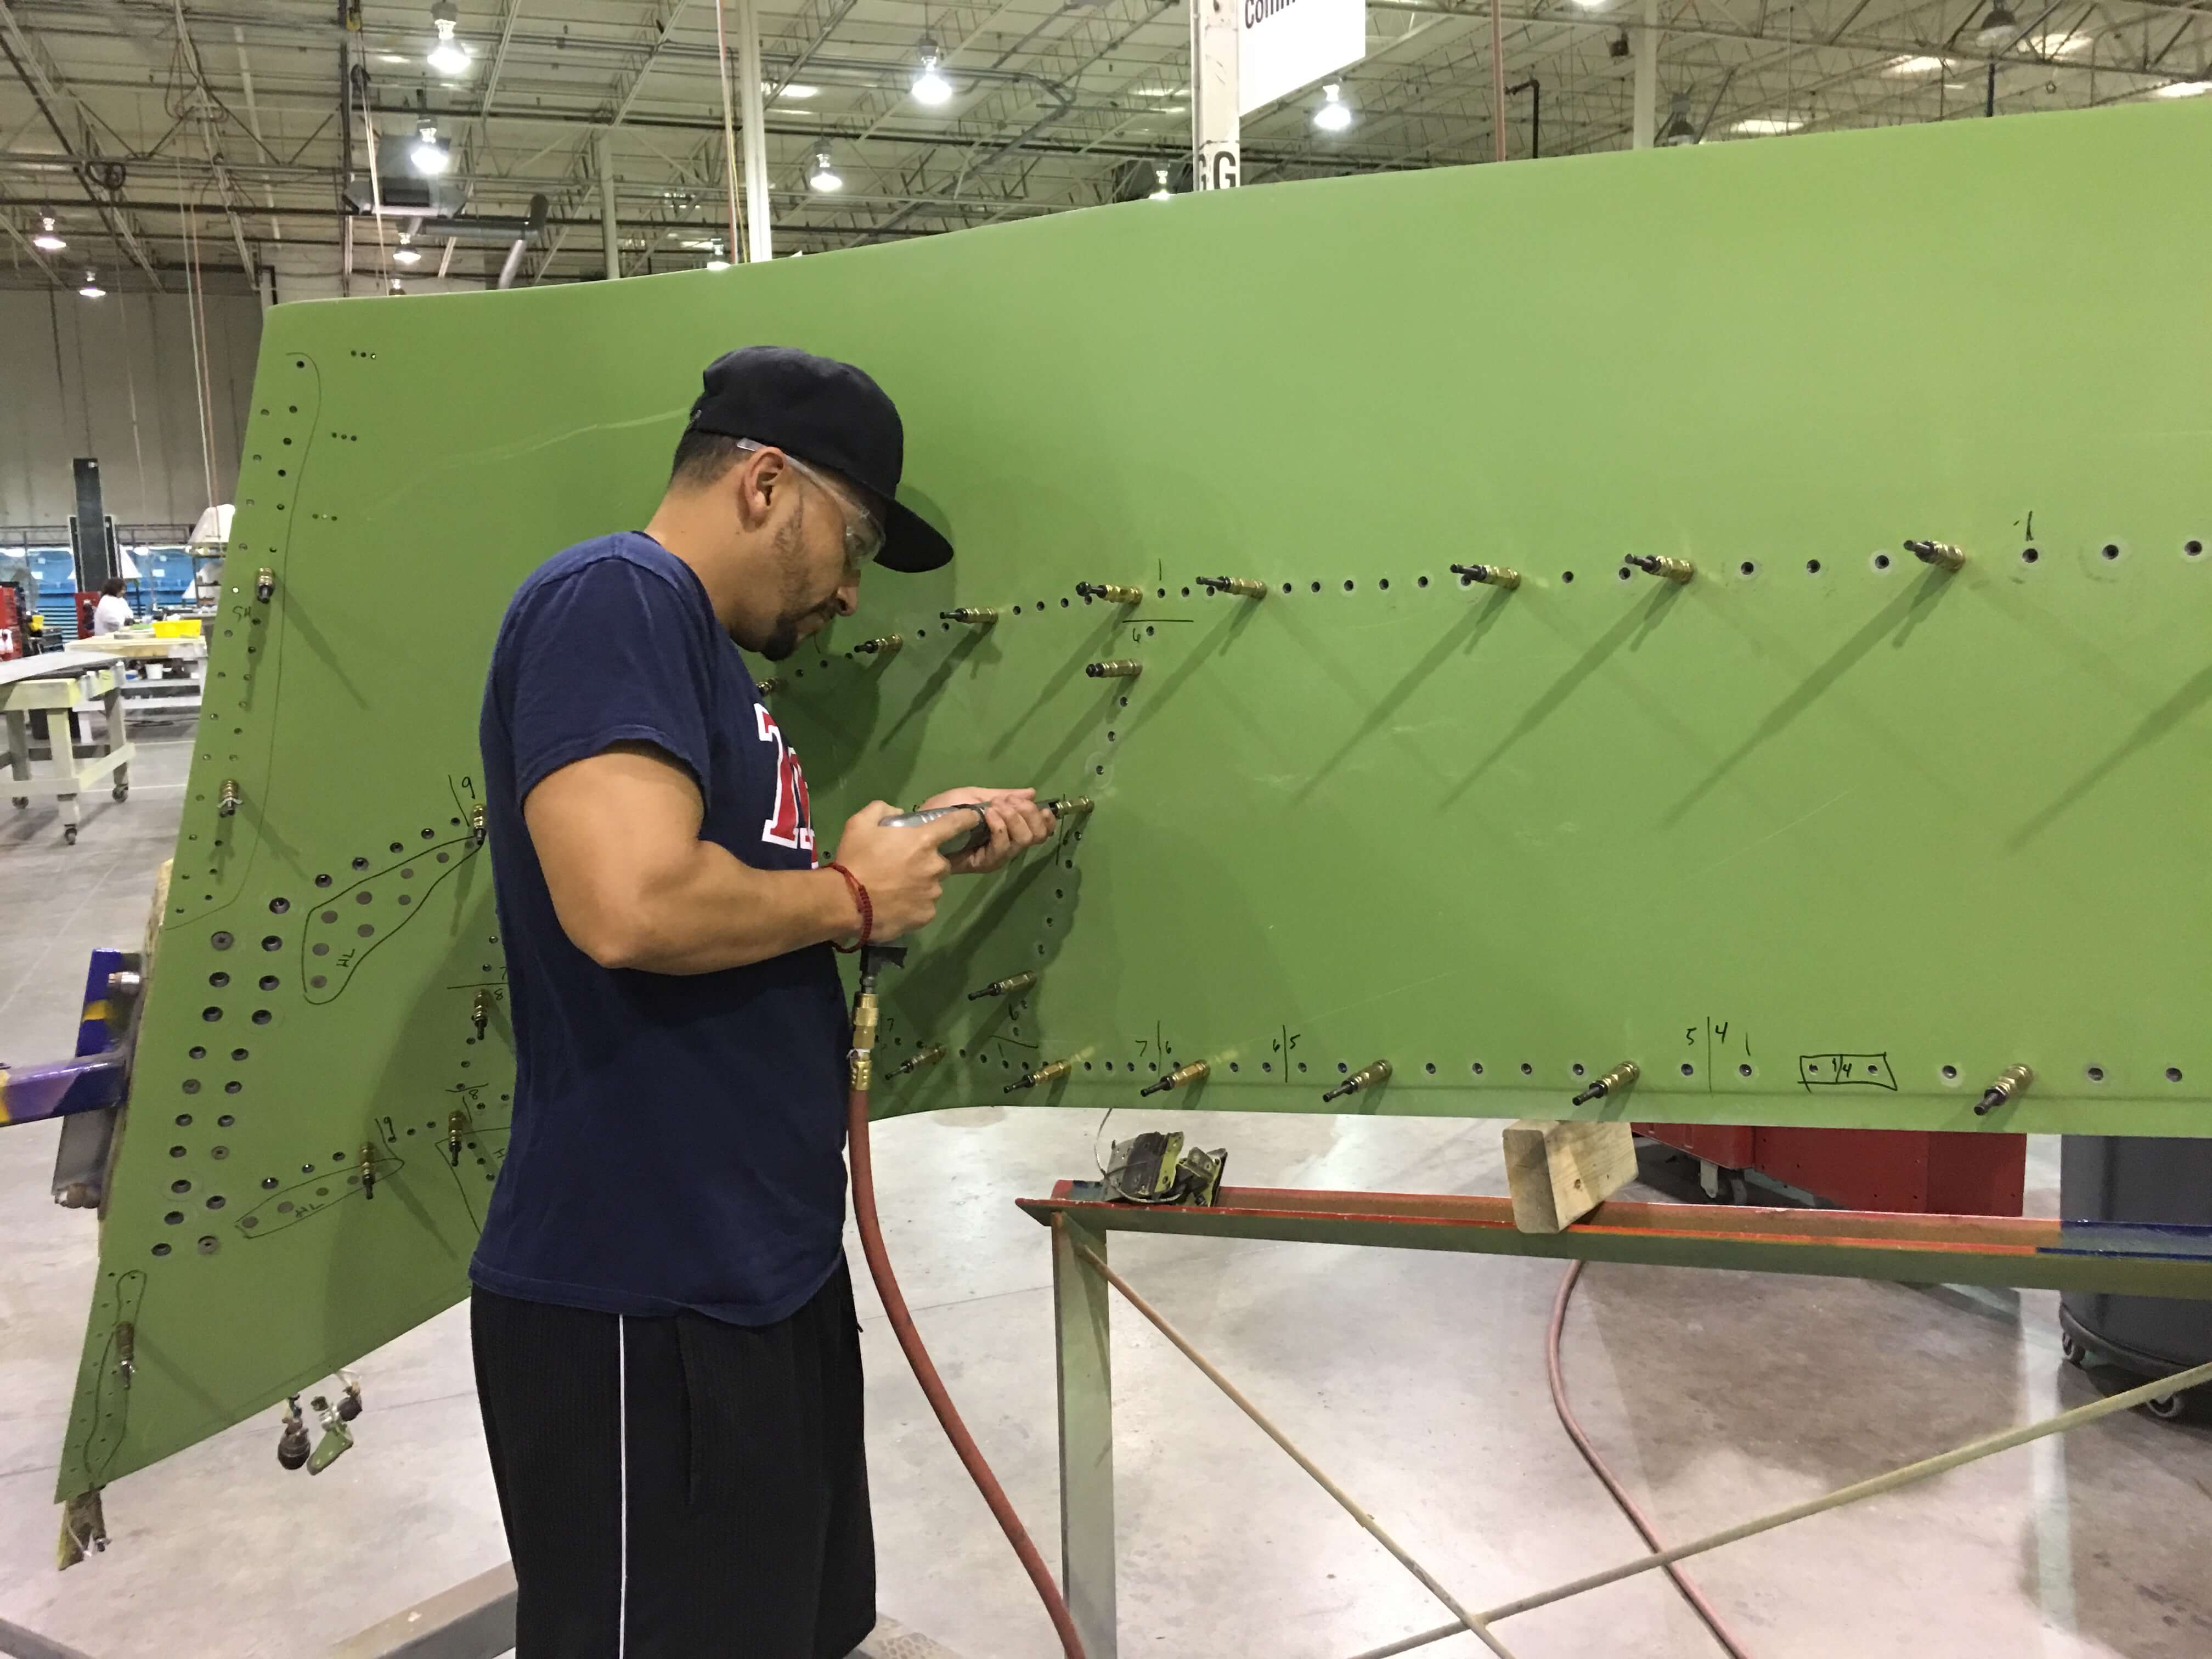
1557 1172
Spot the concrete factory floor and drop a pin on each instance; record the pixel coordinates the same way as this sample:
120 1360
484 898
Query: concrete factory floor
1417 1380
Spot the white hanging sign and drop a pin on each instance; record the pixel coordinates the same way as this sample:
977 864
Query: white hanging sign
1289 44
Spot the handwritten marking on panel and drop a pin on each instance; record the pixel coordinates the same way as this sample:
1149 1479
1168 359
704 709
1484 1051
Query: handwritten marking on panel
1845 1071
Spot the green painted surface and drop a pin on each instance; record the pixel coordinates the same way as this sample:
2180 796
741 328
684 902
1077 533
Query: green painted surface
1936 820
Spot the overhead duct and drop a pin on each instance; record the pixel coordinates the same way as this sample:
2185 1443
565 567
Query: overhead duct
539 206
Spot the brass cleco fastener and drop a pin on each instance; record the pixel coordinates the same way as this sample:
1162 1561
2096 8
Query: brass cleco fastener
1658 564
980 615
477 825
1120 668
914 1062
265 584
1618 1079
888 646
772 683
2010 1082
1112 593
1493 575
226 802
1942 554
1050 1073
1193 1072
1243 588
1366 1078
1005 988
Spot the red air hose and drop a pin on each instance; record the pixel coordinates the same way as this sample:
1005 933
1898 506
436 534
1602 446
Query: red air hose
1636 1518
948 1414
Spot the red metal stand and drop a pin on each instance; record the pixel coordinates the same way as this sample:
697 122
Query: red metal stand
1909 1172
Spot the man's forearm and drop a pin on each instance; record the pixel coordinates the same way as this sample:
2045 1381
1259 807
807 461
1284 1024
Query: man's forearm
718 912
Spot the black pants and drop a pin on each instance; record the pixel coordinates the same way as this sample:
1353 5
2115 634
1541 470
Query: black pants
678 1488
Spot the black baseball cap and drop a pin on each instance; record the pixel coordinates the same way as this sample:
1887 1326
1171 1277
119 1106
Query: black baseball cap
828 415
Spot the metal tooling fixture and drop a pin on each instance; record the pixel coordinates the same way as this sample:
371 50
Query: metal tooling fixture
1801 837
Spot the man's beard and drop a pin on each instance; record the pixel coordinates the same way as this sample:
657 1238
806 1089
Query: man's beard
783 636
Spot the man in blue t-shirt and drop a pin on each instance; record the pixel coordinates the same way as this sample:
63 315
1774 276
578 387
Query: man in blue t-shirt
666 1352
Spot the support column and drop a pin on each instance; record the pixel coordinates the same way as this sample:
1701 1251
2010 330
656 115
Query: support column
609 232
760 244
1647 78
1216 149
1081 1300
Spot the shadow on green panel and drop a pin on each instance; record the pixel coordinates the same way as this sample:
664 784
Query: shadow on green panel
1631 627
2153 726
1462 635
1899 618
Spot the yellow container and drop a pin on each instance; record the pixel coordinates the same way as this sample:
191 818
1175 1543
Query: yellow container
177 627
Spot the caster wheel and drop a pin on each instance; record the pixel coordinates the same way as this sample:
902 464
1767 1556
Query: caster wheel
2071 1350
2167 1408
121 792
69 834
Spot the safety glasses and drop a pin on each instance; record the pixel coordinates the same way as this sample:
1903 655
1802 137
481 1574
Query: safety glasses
864 537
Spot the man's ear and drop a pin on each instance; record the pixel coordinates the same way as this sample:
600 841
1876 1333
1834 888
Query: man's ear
757 484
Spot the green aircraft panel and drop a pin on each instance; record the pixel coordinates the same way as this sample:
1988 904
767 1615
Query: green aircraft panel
1825 836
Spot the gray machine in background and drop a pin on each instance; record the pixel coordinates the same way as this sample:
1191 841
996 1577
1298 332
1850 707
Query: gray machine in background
2120 1178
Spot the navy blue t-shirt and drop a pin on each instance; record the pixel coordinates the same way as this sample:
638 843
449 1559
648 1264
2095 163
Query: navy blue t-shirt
678 1139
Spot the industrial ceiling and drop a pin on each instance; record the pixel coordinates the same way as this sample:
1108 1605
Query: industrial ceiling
235 134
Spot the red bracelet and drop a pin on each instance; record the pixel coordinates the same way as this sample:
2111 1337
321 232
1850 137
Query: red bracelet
860 902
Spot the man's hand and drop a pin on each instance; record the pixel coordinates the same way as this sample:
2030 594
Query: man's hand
1016 821
903 870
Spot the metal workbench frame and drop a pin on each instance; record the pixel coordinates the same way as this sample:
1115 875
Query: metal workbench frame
2137 1260
37 691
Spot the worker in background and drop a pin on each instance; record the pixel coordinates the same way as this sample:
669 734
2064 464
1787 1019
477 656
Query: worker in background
113 611
666 1352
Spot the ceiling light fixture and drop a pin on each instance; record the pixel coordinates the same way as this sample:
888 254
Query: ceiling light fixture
406 253
92 289
1334 115
1767 126
1163 194
2182 89
929 86
1999 30
717 260
1678 129
46 241
825 177
2065 46
449 58
799 89
1920 65
430 155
